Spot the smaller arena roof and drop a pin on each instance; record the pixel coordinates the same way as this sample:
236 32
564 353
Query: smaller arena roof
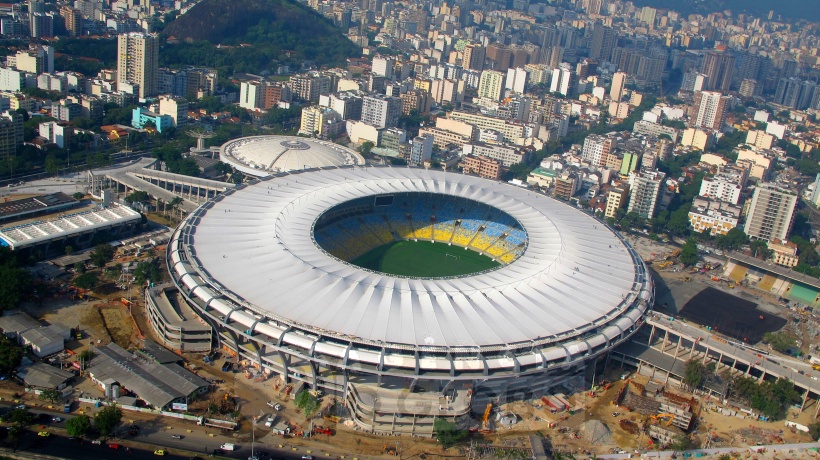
262 156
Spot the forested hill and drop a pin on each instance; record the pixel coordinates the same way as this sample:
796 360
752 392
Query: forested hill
274 28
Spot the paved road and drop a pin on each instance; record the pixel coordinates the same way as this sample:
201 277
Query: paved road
773 450
153 435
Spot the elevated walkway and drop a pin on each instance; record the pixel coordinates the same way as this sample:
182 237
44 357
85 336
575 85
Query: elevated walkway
142 175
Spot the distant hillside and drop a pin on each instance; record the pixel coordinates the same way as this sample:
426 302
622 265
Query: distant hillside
789 9
282 30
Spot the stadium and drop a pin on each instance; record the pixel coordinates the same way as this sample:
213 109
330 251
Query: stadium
413 294
260 156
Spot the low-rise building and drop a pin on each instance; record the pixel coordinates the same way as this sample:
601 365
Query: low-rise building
41 376
173 321
716 216
28 332
141 117
616 198
482 166
566 185
698 138
507 155
543 177
784 253
648 128
159 385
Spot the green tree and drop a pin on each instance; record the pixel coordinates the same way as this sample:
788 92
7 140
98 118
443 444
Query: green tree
52 164
307 402
10 355
137 197
678 222
78 426
102 254
147 271
107 419
694 374
681 443
19 417
814 430
734 239
759 248
87 280
85 356
69 250
51 395
365 148
689 252
15 283
447 434
780 341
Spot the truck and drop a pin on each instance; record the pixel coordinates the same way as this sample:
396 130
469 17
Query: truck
228 446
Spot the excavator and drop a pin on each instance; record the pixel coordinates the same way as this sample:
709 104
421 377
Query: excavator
671 418
486 419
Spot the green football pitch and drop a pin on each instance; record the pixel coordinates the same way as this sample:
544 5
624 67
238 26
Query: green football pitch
423 259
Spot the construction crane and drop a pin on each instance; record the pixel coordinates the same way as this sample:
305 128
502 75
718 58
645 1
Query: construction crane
486 419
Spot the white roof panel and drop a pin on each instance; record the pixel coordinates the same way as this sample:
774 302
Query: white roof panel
256 242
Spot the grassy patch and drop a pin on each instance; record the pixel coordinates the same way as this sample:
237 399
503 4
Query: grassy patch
424 259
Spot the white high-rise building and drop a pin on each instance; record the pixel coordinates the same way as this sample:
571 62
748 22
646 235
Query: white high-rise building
174 107
711 107
645 192
251 94
421 149
563 79
383 66
516 80
138 61
491 85
381 111
771 213
720 188
595 148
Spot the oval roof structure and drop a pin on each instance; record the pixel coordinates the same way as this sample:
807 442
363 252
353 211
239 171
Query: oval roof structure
262 156
255 245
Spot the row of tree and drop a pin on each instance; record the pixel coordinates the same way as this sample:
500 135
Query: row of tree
771 398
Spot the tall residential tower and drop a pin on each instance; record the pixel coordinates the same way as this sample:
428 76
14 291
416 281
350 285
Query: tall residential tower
138 61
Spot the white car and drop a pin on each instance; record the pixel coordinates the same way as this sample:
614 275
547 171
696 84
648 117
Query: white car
274 406
269 421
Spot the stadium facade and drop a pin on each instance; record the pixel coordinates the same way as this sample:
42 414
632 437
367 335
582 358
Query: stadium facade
265 265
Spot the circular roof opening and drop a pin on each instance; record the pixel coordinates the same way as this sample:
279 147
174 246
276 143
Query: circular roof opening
420 235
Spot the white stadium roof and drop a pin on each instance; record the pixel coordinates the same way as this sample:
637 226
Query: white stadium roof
261 156
254 244
34 233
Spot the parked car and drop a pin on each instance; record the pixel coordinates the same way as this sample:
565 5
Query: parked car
44 434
